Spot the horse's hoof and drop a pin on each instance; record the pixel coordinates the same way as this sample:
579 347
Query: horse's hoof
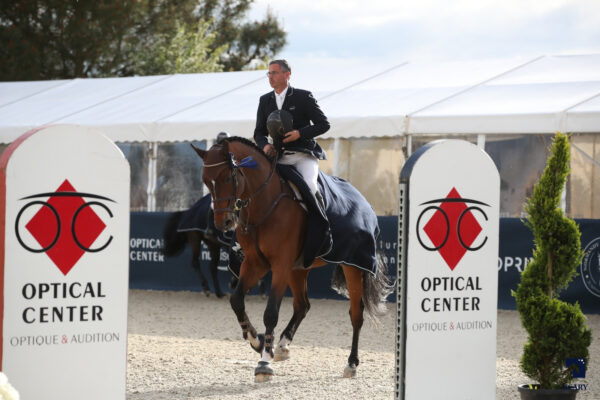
261 378
282 353
263 373
350 371
261 345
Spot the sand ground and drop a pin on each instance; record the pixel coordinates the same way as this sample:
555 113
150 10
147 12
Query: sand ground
184 345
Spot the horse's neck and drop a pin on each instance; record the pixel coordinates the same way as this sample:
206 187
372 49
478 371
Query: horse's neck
257 178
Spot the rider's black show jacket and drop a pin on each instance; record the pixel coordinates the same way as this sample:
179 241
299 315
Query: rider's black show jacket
304 109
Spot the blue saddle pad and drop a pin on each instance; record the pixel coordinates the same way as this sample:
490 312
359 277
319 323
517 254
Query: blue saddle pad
349 233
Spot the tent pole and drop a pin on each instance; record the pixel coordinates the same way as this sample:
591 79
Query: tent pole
152 174
481 141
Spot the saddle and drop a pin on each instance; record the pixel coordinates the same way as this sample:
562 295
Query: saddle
349 230
318 240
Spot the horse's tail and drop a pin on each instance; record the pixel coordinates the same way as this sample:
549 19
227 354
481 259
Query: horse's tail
174 242
376 288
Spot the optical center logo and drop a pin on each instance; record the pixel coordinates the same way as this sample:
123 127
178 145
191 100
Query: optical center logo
453 228
65 226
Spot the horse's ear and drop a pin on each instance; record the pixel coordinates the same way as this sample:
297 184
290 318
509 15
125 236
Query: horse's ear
200 152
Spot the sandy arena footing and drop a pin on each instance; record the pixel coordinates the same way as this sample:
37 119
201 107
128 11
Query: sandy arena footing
184 345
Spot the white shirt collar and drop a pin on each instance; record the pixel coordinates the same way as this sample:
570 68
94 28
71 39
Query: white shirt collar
279 98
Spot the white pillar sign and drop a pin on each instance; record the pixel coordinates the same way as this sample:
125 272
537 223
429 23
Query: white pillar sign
448 291
64 233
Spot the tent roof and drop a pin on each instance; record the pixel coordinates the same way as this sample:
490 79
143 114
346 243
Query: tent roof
539 95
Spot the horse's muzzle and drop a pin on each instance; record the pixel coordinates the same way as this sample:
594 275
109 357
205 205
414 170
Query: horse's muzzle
228 223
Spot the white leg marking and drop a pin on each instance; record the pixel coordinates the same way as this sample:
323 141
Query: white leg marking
253 340
282 350
266 356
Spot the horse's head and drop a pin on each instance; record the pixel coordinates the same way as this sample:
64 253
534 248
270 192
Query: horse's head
221 176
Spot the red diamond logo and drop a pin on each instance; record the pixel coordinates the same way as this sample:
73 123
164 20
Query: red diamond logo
437 228
43 227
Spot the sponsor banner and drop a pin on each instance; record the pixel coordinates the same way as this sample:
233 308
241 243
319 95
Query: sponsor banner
450 273
65 205
149 269
516 250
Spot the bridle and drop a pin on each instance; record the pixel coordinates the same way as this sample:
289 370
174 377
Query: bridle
238 202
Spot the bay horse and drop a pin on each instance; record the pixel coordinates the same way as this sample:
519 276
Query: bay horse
270 225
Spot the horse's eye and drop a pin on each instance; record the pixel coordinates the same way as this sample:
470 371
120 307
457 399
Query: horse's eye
228 179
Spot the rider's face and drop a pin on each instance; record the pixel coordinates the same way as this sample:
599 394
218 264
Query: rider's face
277 78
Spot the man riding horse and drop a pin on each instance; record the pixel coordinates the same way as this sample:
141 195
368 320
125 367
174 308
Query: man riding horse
298 146
250 197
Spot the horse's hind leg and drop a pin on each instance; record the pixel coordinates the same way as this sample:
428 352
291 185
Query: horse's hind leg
354 282
301 307
215 255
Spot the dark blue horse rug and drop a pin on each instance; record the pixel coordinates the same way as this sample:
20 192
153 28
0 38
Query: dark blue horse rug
199 217
349 233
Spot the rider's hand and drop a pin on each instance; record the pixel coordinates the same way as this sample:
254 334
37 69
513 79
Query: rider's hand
269 150
291 136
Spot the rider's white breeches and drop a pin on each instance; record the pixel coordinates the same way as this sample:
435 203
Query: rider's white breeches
306 164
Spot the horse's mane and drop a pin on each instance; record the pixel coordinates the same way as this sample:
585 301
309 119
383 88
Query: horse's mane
248 143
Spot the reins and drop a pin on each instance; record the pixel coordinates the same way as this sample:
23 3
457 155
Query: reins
260 188
240 204
246 227
215 164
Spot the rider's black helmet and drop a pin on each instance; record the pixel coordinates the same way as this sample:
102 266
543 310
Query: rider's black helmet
221 136
279 123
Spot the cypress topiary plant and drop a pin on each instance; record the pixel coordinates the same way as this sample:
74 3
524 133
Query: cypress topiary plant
556 330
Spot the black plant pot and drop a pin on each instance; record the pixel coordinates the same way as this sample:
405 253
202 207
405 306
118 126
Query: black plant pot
532 392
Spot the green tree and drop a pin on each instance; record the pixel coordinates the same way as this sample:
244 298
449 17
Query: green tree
556 330
186 52
48 39
245 41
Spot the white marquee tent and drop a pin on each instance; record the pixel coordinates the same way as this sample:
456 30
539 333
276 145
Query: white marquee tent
540 95
389 104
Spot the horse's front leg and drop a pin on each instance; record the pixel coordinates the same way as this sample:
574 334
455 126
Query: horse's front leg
263 372
248 278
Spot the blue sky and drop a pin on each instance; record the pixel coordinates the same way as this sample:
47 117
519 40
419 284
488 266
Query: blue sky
427 30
